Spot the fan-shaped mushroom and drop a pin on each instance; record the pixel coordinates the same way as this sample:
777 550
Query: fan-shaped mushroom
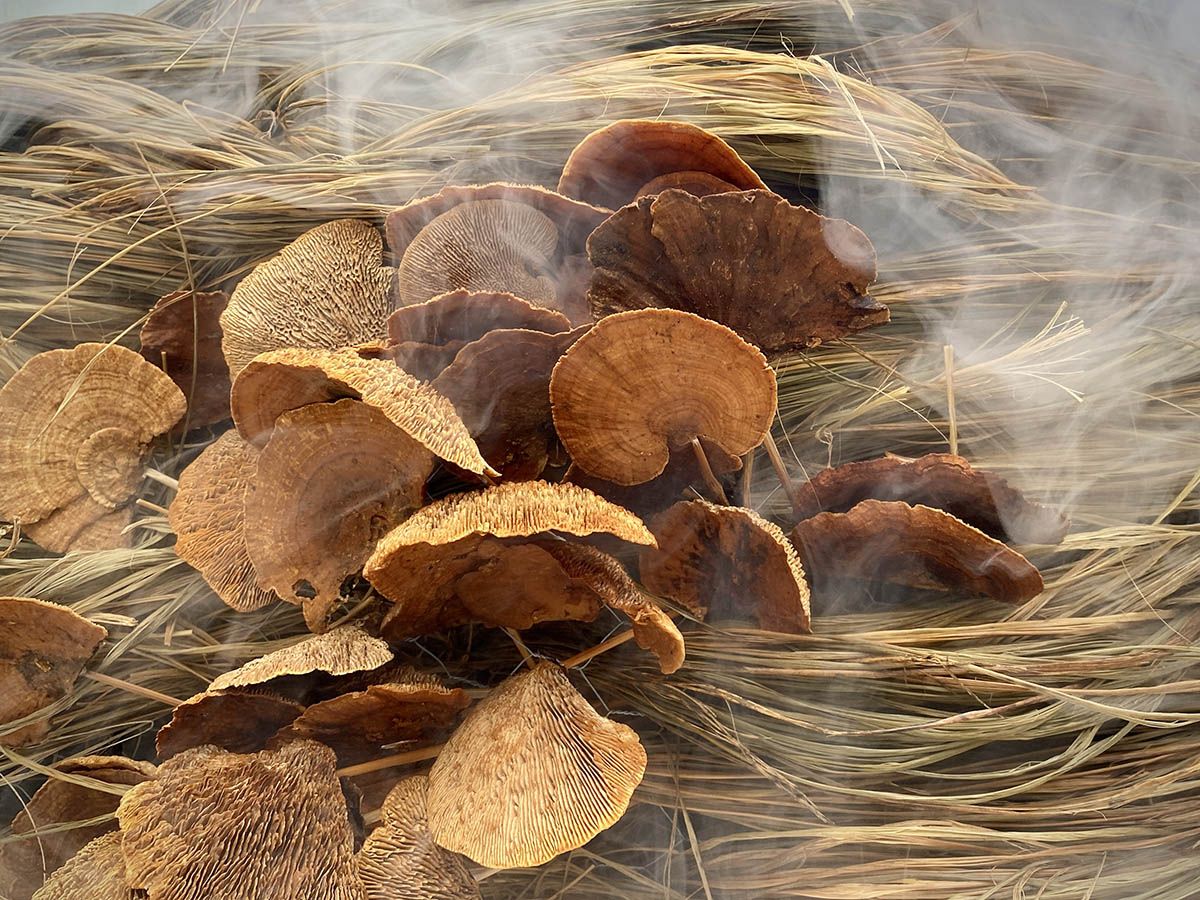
74 428
182 336
241 721
97 872
340 651
83 524
781 276
532 772
326 289
633 157
644 383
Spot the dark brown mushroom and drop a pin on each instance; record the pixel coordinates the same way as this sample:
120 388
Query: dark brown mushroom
240 721
182 336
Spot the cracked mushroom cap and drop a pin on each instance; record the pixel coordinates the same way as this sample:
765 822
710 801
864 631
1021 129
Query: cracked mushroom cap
641 384
326 289
74 429
284 380
722 561
532 772
632 157
257 826
940 480
43 648
781 276
340 651
182 336
97 872
240 721
332 480
915 546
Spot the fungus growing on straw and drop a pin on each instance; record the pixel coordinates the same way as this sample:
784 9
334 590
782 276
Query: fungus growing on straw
97 872
339 651
240 721
182 336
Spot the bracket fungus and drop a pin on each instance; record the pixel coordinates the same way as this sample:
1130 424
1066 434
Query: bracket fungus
74 429
182 336
643 383
781 276
634 157
340 651
722 561
240 721
96 872
326 289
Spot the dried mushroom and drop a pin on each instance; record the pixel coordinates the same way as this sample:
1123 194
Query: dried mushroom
74 429
43 648
240 721
781 276
724 561
632 157
642 384
97 872
916 546
326 289
340 651
532 772
182 336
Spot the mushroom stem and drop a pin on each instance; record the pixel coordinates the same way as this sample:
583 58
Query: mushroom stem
579 659
710 478
387 762
747 479
516 639
153 507
952 414
155 475
781 472
132 688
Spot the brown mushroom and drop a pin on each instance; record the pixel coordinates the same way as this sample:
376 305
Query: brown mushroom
240 721
698 184
616 163
83 524
97 872
43 648
339 651
781 276
642 384
332 480
326 289
182 336
75 424
725 561
532 772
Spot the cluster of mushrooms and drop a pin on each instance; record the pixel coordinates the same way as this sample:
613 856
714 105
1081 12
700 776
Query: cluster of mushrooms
536 398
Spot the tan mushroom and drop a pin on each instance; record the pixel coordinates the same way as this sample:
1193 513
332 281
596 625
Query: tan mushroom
43 648
182 336
725 561
240 721
97 872
83 524
632 157
326 289
642 384
532 772
781 276
339 651
75 426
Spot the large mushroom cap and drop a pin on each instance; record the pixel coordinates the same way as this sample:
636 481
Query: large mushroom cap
643 383
724 560
339 651
532 772
182 336
326 289
240 721
631 157
74 427
781 276
43 648
83 524
915 546
332 480
97 872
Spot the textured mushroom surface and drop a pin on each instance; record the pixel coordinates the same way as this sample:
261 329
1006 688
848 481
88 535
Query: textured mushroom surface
532 772
240 721
43 648
781 276
641 384
943 481
83 524
74 426
722 561
616 163
332 480
465 316
698 184
917 546
208 518
182 336
265 826
326 289
97 872
340 651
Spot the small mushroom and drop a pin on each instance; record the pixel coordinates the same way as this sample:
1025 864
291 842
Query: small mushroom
182 336
633 157
642 384
43 648
339 651
724 561
74 427
781 276
326 289
240 721
97 872
532 772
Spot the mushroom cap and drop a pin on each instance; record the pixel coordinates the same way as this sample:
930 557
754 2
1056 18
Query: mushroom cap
916 546
465 316
283 380
339 651
43 648
611 165
333 478
182 336
84 525
532 772
208 517
75 423
940 480
401 861
781 276
326 289
720 560
698 184
257 827
240 721
643 383
96 872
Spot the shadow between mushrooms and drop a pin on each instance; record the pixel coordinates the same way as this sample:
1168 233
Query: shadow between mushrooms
182 336
97 872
